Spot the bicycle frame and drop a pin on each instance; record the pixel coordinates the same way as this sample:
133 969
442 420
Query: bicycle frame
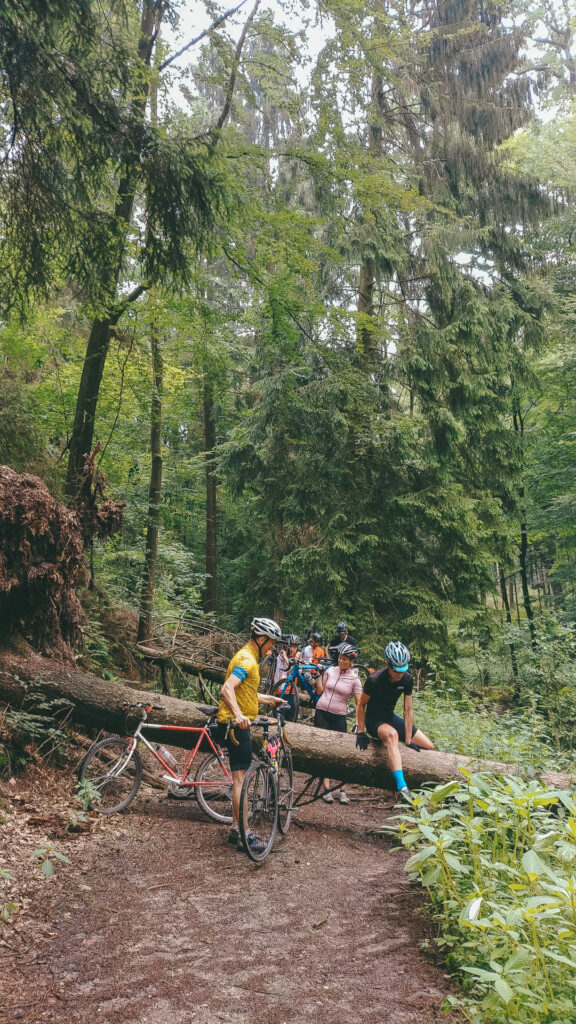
173 775
295 675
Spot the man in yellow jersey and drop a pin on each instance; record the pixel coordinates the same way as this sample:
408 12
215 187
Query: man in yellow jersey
239 699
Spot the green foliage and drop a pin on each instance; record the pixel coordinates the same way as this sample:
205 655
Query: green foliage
39 722
497 857
86 793
47 855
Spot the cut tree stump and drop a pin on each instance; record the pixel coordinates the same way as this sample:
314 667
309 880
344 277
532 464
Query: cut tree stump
96 705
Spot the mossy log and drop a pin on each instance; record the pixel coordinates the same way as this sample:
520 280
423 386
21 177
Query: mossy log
95 704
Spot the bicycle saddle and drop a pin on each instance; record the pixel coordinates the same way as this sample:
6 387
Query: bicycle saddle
207 709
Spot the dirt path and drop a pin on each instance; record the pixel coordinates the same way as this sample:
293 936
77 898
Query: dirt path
156 920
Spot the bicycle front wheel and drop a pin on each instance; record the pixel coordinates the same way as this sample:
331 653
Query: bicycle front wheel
285 791
214 788
258 811
112 776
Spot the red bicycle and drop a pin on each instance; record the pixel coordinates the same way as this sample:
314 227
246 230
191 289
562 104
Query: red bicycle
111 772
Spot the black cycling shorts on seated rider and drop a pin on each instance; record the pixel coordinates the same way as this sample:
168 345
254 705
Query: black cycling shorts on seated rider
329 720
373 724
240 754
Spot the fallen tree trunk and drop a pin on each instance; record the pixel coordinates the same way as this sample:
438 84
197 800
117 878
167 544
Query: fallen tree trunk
96 704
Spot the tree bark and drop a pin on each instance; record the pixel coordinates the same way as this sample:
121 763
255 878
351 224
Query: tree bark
210 595
154 494
82 436
96 704
519 428
509 621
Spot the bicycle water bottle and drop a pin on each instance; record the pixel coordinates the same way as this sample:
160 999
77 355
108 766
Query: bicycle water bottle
166 756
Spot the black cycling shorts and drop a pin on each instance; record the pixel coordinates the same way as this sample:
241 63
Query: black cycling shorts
373 724
328 720
240 755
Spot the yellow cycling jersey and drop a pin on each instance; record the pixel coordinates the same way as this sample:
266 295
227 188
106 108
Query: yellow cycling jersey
247 669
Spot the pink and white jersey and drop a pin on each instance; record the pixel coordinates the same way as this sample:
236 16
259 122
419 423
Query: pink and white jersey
338 689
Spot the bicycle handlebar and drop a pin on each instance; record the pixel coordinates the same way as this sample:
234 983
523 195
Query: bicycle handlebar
261 720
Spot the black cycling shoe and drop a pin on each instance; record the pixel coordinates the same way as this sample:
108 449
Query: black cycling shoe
254 842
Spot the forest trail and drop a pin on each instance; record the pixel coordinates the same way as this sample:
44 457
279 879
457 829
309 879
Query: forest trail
156 920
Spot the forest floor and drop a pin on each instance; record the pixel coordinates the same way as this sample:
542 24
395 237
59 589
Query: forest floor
155 919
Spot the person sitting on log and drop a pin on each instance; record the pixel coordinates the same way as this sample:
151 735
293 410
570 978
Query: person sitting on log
239 699
375 713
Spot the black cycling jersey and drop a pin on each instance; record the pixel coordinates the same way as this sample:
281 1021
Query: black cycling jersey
385 692
337 642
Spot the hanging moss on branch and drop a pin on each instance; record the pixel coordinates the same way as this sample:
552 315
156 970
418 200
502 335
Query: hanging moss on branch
41 564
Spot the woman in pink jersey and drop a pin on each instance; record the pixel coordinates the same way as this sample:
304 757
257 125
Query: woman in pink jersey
336 686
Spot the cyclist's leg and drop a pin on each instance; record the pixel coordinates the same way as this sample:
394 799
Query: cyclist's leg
418 737
389 736
240 754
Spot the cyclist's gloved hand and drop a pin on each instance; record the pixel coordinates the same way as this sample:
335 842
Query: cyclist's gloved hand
413 746
362 740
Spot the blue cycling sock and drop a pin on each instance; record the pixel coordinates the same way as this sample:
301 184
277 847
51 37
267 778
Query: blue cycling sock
399 779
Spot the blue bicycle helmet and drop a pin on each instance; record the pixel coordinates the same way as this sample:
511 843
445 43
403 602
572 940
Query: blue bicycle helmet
398 656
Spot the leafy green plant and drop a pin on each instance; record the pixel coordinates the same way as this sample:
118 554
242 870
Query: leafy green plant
86 793
47 855
498 857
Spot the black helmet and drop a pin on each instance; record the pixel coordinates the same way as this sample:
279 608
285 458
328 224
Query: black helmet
317 637
342 627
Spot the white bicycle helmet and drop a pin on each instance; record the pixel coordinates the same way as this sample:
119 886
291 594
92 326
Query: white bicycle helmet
348 651
397 655
266 627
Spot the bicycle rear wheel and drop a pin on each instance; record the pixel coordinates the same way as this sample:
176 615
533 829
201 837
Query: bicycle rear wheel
258 811
285 791
113 773
215 792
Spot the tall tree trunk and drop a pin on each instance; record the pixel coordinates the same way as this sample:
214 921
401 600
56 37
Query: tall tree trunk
366 336
82 437
154 494
367 278
519 428
210 594
511 645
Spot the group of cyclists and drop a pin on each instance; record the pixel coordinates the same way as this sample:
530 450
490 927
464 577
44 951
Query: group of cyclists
375 702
